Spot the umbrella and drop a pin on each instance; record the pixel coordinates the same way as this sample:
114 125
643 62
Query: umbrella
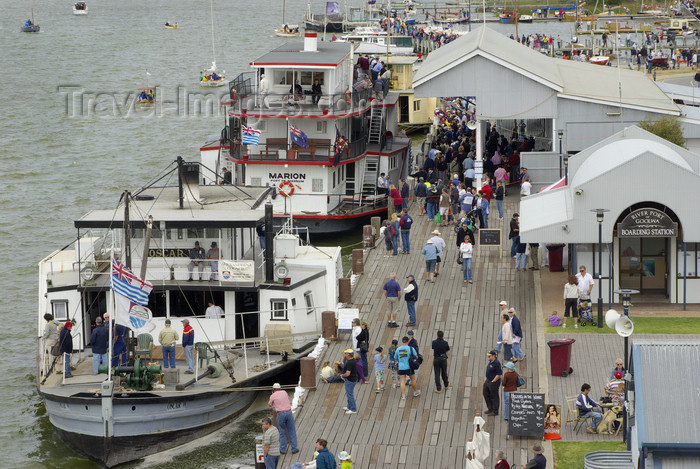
470 458
481 439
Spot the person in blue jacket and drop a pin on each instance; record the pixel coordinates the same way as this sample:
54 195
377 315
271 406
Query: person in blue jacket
119 350
325 459
100 345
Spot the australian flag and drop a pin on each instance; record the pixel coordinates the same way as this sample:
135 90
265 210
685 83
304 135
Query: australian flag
298 137
251 136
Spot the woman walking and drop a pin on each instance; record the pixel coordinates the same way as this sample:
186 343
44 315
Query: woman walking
507 335
396 232
466 249
571 295
363 345
379 366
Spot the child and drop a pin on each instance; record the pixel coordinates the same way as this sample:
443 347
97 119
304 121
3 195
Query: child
379 366
360 370
345 459
394 363
326 371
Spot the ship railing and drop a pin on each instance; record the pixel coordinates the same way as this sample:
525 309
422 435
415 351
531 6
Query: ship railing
249 100
320 150
288 227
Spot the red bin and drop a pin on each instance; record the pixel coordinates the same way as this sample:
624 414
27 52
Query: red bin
560 356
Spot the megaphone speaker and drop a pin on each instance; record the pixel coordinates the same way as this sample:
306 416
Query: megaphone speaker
611 318
624 326
471 125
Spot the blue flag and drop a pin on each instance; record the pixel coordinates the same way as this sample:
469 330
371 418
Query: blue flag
298 137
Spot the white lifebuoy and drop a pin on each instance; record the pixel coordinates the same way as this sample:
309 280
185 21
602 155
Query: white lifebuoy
286 189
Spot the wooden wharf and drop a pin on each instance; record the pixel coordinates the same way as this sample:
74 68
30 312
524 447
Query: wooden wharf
431 430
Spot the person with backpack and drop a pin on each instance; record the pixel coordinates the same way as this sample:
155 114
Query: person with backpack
510 384
403 355
405 227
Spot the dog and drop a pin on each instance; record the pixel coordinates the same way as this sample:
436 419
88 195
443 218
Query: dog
606 425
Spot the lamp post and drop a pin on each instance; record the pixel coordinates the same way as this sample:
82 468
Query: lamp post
560 133
625 328
599 215
566 169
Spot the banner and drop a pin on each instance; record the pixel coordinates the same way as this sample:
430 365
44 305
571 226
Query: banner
132 315
236 271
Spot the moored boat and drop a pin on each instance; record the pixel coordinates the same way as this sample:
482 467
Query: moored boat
599 59
269 308
374 41
80 8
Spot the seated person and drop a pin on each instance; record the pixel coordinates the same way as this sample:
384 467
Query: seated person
214 76
588 407
619 368
28 23
316 92
167 23
615 389
297 91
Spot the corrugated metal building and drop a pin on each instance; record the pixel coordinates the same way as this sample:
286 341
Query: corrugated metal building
648 186
665 403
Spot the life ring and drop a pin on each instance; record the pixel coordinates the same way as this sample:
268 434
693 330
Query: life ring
347 97
233 96
286 189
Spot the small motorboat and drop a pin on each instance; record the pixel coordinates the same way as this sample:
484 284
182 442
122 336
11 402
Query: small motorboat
287 31
30 26
600 59
525 19
171 26
80 8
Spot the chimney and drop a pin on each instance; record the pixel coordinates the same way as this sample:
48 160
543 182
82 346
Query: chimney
310 42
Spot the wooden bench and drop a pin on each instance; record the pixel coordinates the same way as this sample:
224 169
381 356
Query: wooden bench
272 145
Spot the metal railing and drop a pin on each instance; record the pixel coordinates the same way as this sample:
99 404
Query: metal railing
323 150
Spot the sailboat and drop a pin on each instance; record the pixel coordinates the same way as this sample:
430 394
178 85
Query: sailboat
286 30
30 26
211 77
147 95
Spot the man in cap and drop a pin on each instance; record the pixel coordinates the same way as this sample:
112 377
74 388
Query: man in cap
279 400
392 292
196 254
439 243
492 384
213 255
100 345
271 443
538 461
167 338
430 252
188 345
411 296
350 378
65 347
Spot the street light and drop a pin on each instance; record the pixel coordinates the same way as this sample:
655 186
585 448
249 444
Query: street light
560 133
566 169
599 215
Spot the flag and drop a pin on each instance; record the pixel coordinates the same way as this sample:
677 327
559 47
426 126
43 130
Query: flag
332 8
251 136
341 146
126 283
298 137
132 315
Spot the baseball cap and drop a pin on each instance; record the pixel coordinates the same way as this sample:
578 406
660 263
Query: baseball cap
276 386
167 321
493 352
185 321
196 243
349 351
503 303
410 276
213 244
68 324
410 333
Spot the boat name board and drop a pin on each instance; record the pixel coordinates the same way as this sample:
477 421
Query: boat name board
292 177
172 252
237 271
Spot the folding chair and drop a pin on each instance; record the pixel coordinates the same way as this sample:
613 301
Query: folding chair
572 414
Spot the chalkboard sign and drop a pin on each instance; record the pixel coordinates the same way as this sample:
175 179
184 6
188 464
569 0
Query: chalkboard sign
526 414
490 237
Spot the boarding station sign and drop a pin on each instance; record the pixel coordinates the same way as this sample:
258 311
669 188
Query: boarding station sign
236 271
647 223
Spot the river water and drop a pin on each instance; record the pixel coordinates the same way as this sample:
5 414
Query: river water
71 139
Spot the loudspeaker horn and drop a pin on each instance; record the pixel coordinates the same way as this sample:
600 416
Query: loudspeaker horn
624 326
611 318
471 125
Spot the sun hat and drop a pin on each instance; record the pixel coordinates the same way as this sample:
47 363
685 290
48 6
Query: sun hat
537 448
343 456
510 365
436 232
503 303
429 242
276 386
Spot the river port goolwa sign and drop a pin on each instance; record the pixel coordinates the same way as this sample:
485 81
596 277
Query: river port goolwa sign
647 223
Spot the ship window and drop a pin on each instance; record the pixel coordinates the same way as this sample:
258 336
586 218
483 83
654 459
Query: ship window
59 309
399 68
256 181
321 126
261 125
195 233
137 233
278 310
317 185
309 299
212 233
307 78
416 105
333 179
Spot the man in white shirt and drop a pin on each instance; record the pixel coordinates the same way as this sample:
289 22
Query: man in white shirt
213 311
382 187
439 243
585 283
525 187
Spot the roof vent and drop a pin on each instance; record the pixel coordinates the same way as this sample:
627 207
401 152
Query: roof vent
310 42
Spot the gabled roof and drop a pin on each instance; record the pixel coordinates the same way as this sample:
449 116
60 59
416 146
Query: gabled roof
571 79
667 392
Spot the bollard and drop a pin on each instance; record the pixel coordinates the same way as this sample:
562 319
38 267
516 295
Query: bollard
376 223
329 328
307 366
367 240
259 454
358 260
344 291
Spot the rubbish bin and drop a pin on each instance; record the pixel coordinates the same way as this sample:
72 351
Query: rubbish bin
556 254
560 356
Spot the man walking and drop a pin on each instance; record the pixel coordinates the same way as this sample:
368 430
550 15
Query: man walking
405 223
188 345
514 234
167 339
100 344
421 192
350 379
517 330
402 355
538 461
411 296
197 255
271 445
492 384
392 293
285 420
440 349
439 243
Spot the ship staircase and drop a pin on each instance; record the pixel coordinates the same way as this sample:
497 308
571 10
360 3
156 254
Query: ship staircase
376 141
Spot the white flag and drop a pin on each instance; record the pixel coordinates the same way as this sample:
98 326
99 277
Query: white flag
133 315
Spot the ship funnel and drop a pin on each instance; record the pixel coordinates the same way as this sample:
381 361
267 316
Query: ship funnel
310 42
